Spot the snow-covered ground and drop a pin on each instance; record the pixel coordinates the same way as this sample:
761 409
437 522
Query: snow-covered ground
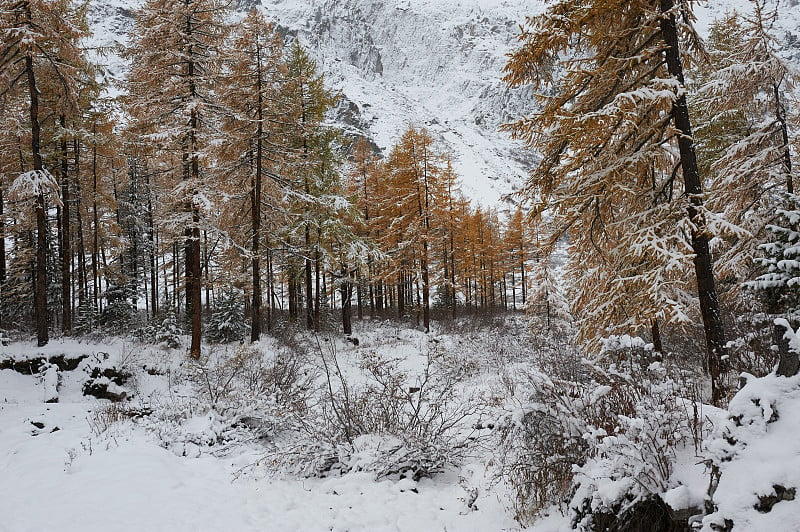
186 452
65 466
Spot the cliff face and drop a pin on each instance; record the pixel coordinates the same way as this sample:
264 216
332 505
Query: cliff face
428 63
431 63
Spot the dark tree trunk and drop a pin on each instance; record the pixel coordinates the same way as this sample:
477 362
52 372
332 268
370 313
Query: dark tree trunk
709 304
66 244
789 361
426 288
780 114
194 273
347 293
95 225
309 284
401 297
317 292
41 310
292 296
151 229
657 345
3 267
359 296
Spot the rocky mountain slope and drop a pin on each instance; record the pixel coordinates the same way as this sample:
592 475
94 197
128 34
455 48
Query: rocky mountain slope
428 63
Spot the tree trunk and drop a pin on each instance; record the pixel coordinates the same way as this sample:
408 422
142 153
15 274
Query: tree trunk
426 289
193 264
3 266
66 244
41 310
780 115
347 294
657 345
789 361
709 304
95 225
309 284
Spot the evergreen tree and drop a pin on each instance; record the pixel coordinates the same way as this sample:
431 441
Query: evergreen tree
306 167
226 323
743 133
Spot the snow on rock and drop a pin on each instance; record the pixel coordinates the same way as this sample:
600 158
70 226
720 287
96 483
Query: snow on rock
757 451
50 379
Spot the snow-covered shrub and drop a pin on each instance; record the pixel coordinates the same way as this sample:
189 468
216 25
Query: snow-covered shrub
50 378
240 394
780 263
228 377
87 317
168 333
119 314
187 427
418 423
598 446
227 322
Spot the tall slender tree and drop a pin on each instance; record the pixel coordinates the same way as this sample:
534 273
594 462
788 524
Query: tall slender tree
40 57
174 62
250 89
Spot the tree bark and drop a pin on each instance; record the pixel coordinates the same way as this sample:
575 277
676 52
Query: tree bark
41 310
347 294
789 361
709 304
780 115
66 229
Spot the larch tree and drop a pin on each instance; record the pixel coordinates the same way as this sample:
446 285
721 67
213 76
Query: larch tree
744 129
517 247
250 87
414 187
41 64
305 100
614 133
171 99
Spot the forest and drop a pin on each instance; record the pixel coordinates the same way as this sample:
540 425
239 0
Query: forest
213 186
230 273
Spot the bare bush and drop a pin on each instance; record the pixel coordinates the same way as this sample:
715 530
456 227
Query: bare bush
565 437
417 422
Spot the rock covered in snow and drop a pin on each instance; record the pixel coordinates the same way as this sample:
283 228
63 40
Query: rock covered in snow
757 451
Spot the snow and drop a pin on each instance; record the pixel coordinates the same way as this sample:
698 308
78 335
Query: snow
756 450
65 466
429 63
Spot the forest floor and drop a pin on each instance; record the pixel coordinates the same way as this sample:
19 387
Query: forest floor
86 464
397 431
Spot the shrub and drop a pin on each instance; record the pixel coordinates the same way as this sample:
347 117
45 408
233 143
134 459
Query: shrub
227 322
383 421
597 446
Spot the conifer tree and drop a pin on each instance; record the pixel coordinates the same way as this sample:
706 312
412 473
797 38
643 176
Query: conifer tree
250 89
614 132
516 246
41 64
743 133
174 62
414 185
306 100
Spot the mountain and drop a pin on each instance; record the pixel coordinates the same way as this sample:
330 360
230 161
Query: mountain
431 63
